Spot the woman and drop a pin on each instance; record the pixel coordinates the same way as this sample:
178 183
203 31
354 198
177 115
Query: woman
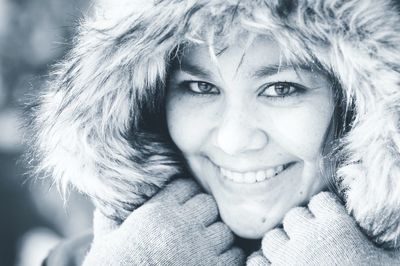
264 103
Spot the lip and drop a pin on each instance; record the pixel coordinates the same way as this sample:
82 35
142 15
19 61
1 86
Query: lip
241 167
255 169
257 187
255 176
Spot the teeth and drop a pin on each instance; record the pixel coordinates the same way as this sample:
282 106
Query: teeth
223 171
279 168
260 176
238 177
252 177
270 172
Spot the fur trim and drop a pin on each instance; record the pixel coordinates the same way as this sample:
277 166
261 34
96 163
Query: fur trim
90 120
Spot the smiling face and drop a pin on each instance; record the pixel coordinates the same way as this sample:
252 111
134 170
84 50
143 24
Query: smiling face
251 133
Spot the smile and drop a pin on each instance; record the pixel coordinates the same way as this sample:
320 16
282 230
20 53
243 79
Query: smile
253 176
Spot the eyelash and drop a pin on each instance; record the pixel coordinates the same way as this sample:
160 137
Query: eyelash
294 87
186 85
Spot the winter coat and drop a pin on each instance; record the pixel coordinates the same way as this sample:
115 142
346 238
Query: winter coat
100 125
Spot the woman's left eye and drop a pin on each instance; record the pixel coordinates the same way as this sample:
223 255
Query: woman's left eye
201 87
281 89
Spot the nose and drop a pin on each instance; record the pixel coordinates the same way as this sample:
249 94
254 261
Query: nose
238 132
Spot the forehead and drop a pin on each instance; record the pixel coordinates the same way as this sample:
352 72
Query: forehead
240 57
252 56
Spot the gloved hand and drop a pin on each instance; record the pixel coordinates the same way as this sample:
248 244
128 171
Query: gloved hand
323 234
257 259
178 226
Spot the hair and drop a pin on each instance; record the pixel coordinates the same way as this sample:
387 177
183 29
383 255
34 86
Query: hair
332 148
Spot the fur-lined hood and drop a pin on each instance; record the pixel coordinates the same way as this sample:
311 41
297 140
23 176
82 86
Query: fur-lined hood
92 121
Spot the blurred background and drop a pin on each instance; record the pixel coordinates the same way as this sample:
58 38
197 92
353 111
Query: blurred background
33 35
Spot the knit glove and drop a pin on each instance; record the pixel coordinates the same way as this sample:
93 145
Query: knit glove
257 259
323 234
178 226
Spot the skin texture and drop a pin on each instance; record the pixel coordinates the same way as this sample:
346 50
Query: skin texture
230 113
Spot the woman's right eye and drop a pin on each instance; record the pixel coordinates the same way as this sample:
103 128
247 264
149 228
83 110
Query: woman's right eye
201 87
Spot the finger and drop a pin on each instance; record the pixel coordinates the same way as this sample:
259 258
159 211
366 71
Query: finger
257 259
233 256
203 209
178 191
219 236
272 242
297 221
326 204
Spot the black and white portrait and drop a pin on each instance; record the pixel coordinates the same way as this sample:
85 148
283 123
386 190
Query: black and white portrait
221 132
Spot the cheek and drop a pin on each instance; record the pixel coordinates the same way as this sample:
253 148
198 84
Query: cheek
188 129
302 130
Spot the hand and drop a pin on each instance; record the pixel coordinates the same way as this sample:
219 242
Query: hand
257 259
178 226
323 234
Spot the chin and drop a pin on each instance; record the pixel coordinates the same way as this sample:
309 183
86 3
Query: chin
249 233
251 228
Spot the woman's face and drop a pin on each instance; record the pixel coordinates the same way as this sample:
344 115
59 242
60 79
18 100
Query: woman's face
250 129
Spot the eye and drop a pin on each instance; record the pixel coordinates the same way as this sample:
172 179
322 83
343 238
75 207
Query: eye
202 87
281 89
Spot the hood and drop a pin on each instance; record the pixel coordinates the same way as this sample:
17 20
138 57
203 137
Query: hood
92 120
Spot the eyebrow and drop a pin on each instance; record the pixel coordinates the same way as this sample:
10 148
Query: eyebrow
193 70
262 72
274 69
